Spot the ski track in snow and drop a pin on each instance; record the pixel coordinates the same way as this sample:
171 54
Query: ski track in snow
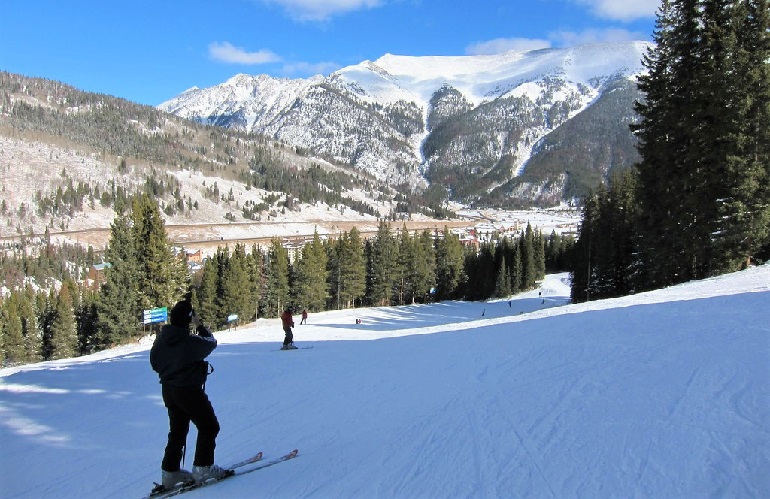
661 394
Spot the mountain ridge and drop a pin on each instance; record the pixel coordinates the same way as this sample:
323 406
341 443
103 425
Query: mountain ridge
68 158
456 70
379 115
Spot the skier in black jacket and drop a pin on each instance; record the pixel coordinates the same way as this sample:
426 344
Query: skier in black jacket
178 358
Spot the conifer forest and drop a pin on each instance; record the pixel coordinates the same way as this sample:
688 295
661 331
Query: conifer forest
697 204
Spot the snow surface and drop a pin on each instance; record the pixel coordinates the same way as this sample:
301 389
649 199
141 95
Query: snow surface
662 394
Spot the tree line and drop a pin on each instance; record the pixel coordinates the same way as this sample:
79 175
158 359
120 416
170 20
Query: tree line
395 267
392 268
57 314
697 204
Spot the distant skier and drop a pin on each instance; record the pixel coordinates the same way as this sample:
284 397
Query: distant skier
178 358
304 317
288 322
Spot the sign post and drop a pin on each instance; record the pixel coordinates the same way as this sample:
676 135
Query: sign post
155 315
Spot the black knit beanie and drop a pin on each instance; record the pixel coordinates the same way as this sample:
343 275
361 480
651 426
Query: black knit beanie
181 313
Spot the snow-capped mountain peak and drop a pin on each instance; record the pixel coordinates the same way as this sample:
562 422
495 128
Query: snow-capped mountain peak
480 77
380 115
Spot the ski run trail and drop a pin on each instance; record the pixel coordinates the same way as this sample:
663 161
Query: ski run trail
663 394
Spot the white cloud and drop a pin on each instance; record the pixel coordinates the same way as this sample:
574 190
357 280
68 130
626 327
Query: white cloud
622 10
321 10
571 38
500 45
227 52
557 38
310 69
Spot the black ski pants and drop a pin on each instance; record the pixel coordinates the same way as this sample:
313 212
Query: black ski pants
289 336
187 404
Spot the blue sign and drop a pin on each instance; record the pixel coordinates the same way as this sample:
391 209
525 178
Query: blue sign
156 315
232 317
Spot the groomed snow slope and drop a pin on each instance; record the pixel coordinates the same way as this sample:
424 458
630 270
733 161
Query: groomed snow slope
662 394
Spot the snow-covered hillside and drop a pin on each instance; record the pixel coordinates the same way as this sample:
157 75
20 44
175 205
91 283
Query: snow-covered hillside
257 98
378 115
662 394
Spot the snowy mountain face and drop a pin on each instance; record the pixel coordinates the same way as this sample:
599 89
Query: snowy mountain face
469 123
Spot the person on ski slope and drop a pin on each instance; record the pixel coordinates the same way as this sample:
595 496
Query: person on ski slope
287 321
178 358
304 317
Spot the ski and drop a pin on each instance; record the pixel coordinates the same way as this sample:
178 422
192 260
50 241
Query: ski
253 459
267 464
160 491
237 469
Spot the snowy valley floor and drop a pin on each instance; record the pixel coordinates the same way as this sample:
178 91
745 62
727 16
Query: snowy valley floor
662 394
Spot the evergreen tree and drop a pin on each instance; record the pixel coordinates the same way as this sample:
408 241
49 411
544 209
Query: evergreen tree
235 285
703 177
424 268
310 288
516 268
277 276
383 266
30 311
661 185
487 271
742 225
334 273
621 208
450 275
609 226
405 267
255 269
553 252
117 304
473 267
161 281
352 268
63 341
45 318
416 266
558 252
205 294
584 254
222 307
85 317
539 254
528 259
14 350
503 282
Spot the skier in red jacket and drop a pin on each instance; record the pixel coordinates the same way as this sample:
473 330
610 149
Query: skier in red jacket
288 322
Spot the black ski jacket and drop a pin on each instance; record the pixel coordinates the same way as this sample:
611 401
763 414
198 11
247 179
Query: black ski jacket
177 356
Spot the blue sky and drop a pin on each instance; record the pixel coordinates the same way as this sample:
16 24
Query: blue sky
148 51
